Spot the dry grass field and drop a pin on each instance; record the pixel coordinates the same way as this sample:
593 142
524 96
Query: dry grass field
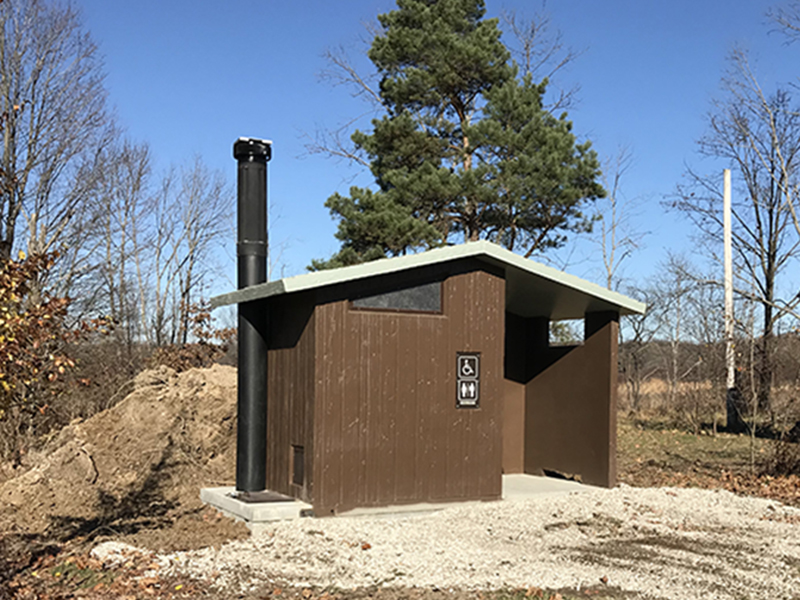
698 406
677 439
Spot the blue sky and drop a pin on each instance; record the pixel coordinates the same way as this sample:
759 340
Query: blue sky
189 77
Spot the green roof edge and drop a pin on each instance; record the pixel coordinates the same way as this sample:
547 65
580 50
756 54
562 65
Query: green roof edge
318 279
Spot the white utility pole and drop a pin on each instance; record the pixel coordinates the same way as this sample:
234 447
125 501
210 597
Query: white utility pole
734 419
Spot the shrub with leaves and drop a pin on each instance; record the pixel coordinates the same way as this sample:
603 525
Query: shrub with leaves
29 331
34 337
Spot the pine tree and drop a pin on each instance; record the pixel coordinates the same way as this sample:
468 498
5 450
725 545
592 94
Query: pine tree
465 150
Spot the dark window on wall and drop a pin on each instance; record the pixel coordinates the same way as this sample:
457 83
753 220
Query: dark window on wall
420 298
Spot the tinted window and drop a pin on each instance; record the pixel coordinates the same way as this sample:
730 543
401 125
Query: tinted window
420 298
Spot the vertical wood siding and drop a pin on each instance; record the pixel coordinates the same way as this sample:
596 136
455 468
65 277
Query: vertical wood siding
290 395
386 427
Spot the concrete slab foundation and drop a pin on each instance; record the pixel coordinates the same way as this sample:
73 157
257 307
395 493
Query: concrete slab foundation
257 515
520 486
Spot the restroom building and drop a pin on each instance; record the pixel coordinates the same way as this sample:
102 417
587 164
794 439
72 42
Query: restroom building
424 378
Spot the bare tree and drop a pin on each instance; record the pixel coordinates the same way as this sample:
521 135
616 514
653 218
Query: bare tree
759 136
164 271
540 51
52 103
617 237
204 201
115 240
787 18
672 290
636 337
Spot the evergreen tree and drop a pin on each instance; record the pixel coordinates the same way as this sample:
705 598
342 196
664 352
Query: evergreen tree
465 149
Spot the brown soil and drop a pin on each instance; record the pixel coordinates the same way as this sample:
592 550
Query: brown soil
133 472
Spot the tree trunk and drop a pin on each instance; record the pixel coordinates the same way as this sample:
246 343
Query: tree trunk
734 407
765 363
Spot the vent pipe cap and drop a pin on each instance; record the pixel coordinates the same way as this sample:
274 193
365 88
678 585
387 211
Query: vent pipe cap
252 148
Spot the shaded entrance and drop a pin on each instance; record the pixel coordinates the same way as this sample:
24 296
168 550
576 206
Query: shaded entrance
560 401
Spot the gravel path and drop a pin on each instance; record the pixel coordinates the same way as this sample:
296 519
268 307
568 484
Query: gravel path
661 543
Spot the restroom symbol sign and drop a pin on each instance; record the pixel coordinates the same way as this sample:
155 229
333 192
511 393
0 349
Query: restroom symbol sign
468 379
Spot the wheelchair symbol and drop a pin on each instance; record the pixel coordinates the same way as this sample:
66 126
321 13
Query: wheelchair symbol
468 367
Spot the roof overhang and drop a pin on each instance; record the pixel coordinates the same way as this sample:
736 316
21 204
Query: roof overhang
532 289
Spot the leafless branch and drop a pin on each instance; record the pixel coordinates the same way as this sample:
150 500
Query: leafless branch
541 52
617 236
341 71
336 143
787 20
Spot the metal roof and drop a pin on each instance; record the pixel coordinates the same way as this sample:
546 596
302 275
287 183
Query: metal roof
532 289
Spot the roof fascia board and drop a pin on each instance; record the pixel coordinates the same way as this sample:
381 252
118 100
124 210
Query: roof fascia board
477 249
572 281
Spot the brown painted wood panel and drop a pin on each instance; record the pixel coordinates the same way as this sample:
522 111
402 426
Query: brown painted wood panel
387 427
489 306
405 464
328 415
434 416
290 394
513 427
371 413
458 297
350 456
388 395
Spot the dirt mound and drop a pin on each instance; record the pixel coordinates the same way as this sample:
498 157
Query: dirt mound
135 470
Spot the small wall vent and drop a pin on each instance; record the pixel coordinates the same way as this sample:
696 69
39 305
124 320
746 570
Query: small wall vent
298 465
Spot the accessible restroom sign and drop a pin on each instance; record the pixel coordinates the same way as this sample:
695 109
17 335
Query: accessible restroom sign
468 379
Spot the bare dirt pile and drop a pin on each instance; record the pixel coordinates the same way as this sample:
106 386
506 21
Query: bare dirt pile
134 471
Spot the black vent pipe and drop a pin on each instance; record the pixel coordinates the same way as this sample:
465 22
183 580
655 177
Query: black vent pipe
251 251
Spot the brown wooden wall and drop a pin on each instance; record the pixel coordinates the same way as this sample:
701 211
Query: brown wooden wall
570 408
290 393
386 427
514 427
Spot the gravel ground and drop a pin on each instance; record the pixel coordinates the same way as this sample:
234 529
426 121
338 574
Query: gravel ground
660 543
